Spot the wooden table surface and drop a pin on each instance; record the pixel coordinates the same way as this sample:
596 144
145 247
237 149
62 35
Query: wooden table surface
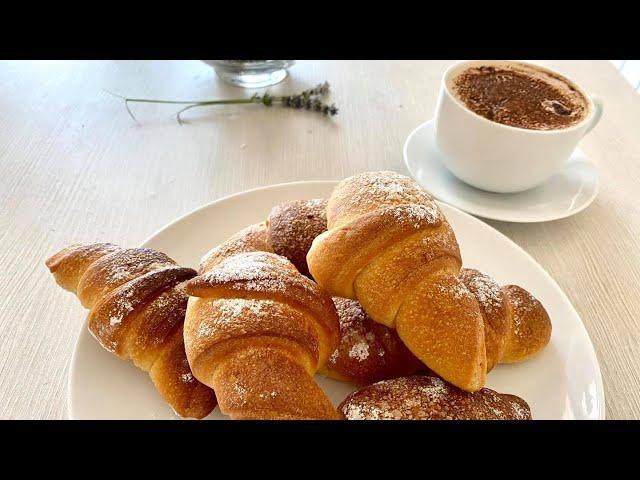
74 167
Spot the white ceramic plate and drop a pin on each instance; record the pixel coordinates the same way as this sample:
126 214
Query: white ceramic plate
565 194
562 382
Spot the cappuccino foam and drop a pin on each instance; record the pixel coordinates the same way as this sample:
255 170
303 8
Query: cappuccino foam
520 95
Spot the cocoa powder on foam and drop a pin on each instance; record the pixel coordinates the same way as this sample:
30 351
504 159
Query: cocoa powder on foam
520 95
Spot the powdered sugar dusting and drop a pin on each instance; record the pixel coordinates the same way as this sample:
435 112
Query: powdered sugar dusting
520 299
268 395
121 307
367 351
457 289
385 187
435 390
293 226
334 356
241 392
126 297
232 311
531 323
349 311
265 284
127 264
353 332
520 412
242 267
153 294
126 284
232 308
416 215
430 398
382 192
484 288
359 351
260 271
389 187
205 329
117 274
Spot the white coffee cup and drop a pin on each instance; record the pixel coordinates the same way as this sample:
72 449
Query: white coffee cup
500 158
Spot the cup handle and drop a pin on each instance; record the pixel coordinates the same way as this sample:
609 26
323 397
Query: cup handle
597 114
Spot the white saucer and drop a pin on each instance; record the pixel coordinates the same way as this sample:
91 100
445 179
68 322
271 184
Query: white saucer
565 194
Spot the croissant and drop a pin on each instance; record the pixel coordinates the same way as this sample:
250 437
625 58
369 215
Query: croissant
517 326
366 351
430 398
256 331
389 246
292 226
137 309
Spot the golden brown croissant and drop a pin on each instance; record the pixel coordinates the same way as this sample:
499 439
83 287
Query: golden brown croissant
367 351
256 331
137 309
389 246
430 398
517 326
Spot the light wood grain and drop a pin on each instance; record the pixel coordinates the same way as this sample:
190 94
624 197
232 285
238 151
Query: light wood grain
74 167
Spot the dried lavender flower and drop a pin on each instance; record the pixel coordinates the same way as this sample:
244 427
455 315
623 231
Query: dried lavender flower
308 99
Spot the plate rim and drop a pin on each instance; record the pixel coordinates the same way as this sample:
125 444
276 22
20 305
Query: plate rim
501 218
601 414
229 197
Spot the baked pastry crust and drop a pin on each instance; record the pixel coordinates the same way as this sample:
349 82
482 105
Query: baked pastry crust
389 247
430 398
530 328
256 331
136 311
367 351
493 308
292 226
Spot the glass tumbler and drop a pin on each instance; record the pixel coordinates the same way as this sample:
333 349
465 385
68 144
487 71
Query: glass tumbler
251 73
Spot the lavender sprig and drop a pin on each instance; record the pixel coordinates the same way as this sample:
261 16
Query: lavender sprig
309 99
